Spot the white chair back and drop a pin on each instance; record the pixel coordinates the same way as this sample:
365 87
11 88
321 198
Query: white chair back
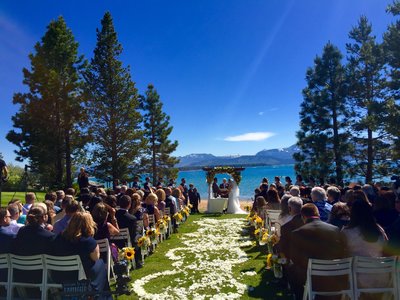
167 211
374 275
123 235
5 269
152 220
272 217
104 248
328 268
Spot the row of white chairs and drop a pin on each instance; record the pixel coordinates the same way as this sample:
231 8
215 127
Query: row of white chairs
44 264
357 271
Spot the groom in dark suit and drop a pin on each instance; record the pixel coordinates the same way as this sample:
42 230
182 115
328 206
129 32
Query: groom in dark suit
126 220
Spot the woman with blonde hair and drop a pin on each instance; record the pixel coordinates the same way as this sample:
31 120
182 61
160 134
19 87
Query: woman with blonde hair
150 208
179 197
77 239
105 229
161 200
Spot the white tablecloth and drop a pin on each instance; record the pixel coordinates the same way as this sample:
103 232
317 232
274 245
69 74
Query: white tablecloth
217 205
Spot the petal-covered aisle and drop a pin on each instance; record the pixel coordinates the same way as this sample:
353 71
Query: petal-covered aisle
207 260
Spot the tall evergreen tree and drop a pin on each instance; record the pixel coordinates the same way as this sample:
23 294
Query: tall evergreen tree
367 83
322 137
114 120
50 112
392 51
157 159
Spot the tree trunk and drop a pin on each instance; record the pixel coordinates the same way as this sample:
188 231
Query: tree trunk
336 151
68 159
370 158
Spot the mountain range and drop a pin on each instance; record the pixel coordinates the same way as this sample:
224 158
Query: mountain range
263 158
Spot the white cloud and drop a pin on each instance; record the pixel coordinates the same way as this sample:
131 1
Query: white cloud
260 113
250 137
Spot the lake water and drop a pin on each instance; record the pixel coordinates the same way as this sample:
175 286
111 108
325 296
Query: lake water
251 178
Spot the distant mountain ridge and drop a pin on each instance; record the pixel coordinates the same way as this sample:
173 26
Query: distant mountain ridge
265 157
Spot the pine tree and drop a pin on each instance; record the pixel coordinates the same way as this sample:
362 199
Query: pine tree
50 112
114 120
322 137
157 159
365 74
391 46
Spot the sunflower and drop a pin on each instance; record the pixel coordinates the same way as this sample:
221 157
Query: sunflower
129 253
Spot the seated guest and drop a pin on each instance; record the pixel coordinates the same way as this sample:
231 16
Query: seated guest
295 191
318 196
29 201
384 209
170 202
34 238
294 207
104 229
22 217
161 200
261 208
60 196
126 220
315 239
333 194
340 215
51 196
288 184
150 207
77 239
50 211
6 236
14 226
284 216
273 200
71 207
47 225
180 200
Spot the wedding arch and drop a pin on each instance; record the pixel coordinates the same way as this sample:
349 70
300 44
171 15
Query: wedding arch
218 204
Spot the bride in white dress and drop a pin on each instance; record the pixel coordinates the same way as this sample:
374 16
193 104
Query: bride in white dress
233 200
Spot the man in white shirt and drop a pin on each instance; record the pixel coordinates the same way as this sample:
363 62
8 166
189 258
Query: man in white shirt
13 227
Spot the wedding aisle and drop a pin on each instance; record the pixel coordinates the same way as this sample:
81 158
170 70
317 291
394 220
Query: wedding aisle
208 259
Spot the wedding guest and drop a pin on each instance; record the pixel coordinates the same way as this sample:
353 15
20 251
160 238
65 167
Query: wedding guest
52 196
70 191
370 192
179 198
299 181
6 236
60 196
294 191
171 183
194 198
104 229
273 201
383 209
160 200
340 215
135 183
151 207
278 182
147 185
61 214
284 216
13 226
318 196
261 208
138 211
333 194
288 184
77 239
71 207
30 199
22 217
264 181
160 182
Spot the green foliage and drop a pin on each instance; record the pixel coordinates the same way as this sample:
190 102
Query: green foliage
46 123
112 105
322 137
157 159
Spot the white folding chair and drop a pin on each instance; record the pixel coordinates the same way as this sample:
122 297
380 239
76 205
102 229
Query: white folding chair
5 270
104 247
124 236
61 264
24 264
167 212
329 268
380 271
272 217
152 221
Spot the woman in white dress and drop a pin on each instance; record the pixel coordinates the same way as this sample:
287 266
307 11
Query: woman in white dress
233 200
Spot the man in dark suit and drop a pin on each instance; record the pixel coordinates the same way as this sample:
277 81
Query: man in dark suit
126 220
294 204
315 239
215 188
5 237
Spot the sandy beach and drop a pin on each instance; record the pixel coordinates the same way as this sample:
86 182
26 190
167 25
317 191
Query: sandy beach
203 204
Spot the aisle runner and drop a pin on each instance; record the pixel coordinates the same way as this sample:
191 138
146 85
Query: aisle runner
203 268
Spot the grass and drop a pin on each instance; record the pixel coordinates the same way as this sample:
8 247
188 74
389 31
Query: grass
261 286
7 196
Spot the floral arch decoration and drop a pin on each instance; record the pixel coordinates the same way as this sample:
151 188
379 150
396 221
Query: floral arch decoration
235 172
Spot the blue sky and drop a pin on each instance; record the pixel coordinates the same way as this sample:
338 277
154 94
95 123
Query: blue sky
229 72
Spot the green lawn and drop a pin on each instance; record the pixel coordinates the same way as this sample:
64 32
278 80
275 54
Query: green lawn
263 285
7 196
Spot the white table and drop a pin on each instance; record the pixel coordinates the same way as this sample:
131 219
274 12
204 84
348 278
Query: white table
217 205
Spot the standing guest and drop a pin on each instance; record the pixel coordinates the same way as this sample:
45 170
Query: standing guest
171 183
52 196
104 229
29 201
333 194
194 198
70 207
340 215
316 239
215 188
126 220
264 181
147 185
273 201
33 238
135 183
83 179
288 184
318 196
60 196
160 182
77 239
299 181
184 190
6 236
294 206
161 200
278 182
13 226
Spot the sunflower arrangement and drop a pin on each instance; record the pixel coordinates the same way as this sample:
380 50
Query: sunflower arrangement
258 222
167 219
144 242
152 234
186 211
247 208
162 226
275 262
190 206
126 253
178 217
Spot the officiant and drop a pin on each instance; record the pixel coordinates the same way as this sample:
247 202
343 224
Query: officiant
223 189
